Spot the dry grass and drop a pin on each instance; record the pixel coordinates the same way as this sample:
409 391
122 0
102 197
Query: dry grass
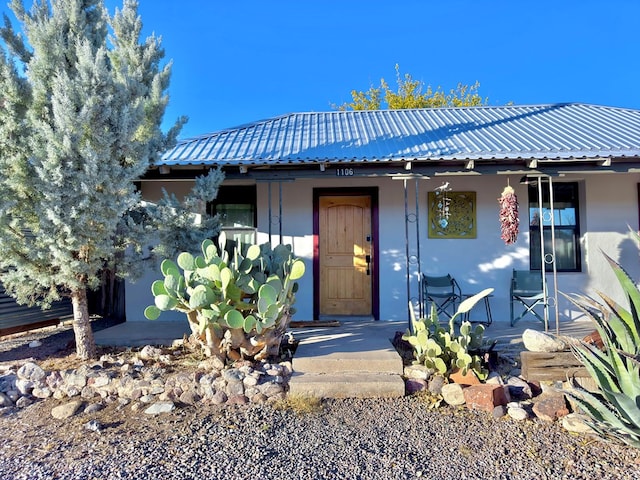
300 404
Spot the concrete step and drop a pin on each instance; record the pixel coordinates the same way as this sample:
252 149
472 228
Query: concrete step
386 361
347 385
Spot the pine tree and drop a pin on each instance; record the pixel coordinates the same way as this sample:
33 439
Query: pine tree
81 103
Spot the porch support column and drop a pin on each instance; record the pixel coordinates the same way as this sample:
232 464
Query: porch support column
271 217
413 264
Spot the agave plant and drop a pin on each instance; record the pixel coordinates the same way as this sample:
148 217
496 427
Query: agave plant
614 410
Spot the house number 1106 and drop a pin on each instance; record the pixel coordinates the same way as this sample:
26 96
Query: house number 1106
344 172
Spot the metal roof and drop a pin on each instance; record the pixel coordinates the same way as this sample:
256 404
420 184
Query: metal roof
569 131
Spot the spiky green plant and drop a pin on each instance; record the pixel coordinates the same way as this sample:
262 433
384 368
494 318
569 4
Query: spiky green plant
238 306
445 350
614 410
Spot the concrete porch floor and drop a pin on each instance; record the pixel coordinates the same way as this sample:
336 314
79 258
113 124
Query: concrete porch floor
355 359
354 335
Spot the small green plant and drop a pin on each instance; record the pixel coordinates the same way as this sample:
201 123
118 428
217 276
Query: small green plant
239 305
445 350
614 410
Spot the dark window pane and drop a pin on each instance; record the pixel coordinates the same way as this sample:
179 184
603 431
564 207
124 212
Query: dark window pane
236 214
565 219
566 249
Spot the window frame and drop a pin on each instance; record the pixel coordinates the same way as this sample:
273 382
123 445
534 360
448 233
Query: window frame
534 230
239 195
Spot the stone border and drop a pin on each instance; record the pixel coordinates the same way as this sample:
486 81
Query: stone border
144 380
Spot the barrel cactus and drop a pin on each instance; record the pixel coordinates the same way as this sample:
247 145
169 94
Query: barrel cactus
238 305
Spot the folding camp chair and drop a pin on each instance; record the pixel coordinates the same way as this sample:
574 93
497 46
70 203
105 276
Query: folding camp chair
442 291
527 288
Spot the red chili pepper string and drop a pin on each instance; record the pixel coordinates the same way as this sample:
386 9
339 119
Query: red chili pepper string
509 220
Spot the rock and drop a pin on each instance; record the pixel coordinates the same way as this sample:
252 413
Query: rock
414 385
31 371
24 386
259 398
99 381
519 389
72 391
149 353
237 400
160 407
35 344
8 382
517 413
499 411
24 402
251 392
287 368
435 384
94 407
54 380
494 378
75 378
14 395
5 401
551 408
219 397
87 392
452 394
486 397
232 375
66 410
594 339
271 389
44 392
468 378
235 388
418 371
536 341
189 397
250 381
576 423
94 426
211 363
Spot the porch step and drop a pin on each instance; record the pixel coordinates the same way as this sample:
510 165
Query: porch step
347 385
356 360
378 360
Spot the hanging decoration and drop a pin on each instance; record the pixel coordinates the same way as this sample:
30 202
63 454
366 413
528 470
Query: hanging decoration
443 204
509 220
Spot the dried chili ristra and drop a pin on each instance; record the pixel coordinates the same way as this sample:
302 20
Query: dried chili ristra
509 221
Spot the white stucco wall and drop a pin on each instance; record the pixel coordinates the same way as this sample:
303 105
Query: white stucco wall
608 204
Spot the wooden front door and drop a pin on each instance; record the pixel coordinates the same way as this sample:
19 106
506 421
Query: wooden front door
345 255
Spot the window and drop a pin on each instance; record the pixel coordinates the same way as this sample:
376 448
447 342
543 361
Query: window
236 207
566 226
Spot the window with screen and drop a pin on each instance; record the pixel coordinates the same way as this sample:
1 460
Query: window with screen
236 208
566 225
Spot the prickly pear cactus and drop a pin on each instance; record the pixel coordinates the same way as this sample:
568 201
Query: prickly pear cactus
444 350
238 306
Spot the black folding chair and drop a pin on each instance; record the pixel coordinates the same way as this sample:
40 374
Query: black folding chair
443 291
527 289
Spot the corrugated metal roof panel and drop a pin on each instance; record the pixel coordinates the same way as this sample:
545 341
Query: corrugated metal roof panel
559 131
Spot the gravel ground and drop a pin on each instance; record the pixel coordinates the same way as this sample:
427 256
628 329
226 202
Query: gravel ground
341 439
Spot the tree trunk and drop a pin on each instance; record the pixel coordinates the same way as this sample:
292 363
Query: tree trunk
85 344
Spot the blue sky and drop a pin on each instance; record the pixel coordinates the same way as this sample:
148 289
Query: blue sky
236 62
